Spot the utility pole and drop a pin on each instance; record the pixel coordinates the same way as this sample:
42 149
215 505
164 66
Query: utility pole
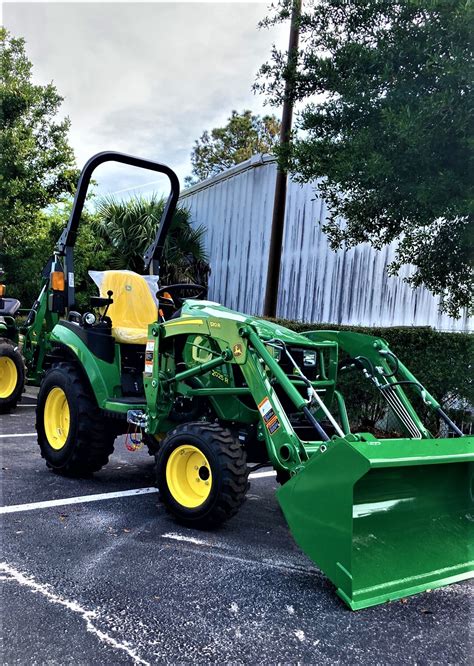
279 202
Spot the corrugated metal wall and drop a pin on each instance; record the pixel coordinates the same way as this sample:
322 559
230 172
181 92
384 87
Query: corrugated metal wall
316 283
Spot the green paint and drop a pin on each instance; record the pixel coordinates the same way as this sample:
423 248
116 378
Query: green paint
386 519
104 377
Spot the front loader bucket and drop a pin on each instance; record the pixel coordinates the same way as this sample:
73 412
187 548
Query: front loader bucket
386 519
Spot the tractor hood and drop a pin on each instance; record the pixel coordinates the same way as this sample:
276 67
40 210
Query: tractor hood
266 330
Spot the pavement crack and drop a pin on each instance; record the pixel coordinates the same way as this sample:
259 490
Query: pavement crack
9 573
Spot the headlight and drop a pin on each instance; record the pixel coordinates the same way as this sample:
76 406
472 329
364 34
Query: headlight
309 358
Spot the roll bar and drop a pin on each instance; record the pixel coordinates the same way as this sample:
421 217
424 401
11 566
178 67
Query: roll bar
67 240
69 235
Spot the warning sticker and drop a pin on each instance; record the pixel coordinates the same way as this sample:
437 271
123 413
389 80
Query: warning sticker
266 410
273 425
150 348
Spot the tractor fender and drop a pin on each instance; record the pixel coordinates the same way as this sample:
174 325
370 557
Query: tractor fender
104 377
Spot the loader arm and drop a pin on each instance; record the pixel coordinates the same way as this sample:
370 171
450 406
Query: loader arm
385 370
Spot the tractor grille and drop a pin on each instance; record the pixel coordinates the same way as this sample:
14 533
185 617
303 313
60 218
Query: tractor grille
306 359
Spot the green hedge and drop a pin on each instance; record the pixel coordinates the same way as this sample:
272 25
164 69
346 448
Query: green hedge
442 362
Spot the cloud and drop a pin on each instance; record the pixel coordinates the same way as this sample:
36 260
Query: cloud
145 78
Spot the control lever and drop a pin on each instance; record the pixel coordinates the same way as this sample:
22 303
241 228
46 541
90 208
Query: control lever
100 302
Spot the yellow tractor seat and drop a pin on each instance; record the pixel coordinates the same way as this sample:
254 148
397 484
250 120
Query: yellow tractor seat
133 307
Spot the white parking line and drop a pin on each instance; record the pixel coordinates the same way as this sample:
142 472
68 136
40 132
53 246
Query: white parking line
15 508
220 549
182 537
261 475
90 617
20 434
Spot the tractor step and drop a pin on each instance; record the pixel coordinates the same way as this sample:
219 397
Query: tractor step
122 405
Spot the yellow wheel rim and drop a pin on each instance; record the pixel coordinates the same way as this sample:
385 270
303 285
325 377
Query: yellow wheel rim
8 377
56 418
189 476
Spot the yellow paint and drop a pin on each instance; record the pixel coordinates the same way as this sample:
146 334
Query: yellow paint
189 476
133 307
182 323
8 377
56 418
198 354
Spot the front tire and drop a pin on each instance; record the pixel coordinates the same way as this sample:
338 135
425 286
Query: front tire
74 436
202 474
12 376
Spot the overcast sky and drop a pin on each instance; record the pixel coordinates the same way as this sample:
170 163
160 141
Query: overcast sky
146 79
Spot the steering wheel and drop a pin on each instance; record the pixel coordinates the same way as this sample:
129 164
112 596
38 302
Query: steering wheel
179 293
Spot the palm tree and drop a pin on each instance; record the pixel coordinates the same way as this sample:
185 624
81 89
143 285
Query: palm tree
130 226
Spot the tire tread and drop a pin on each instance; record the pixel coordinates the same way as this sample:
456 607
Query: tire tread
94 441
232 463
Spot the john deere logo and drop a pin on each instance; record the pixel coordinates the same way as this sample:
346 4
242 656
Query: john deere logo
237 350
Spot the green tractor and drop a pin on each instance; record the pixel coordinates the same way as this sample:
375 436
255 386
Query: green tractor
210 391
12 366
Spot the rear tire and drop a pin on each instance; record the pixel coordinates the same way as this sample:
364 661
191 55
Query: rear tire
74 436
12 376
202 474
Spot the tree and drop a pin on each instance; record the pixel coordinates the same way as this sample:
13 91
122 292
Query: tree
244 135
130 226
386 124
37 165
26 258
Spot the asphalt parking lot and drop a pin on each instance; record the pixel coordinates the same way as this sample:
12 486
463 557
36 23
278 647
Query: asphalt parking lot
115 581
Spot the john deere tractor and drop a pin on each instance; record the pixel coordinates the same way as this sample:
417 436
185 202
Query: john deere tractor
210 391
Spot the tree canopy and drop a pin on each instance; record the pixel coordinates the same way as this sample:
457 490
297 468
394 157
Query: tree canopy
244 135
27 255
37 165
386 124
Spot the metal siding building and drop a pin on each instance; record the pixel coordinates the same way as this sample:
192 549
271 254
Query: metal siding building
316 283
